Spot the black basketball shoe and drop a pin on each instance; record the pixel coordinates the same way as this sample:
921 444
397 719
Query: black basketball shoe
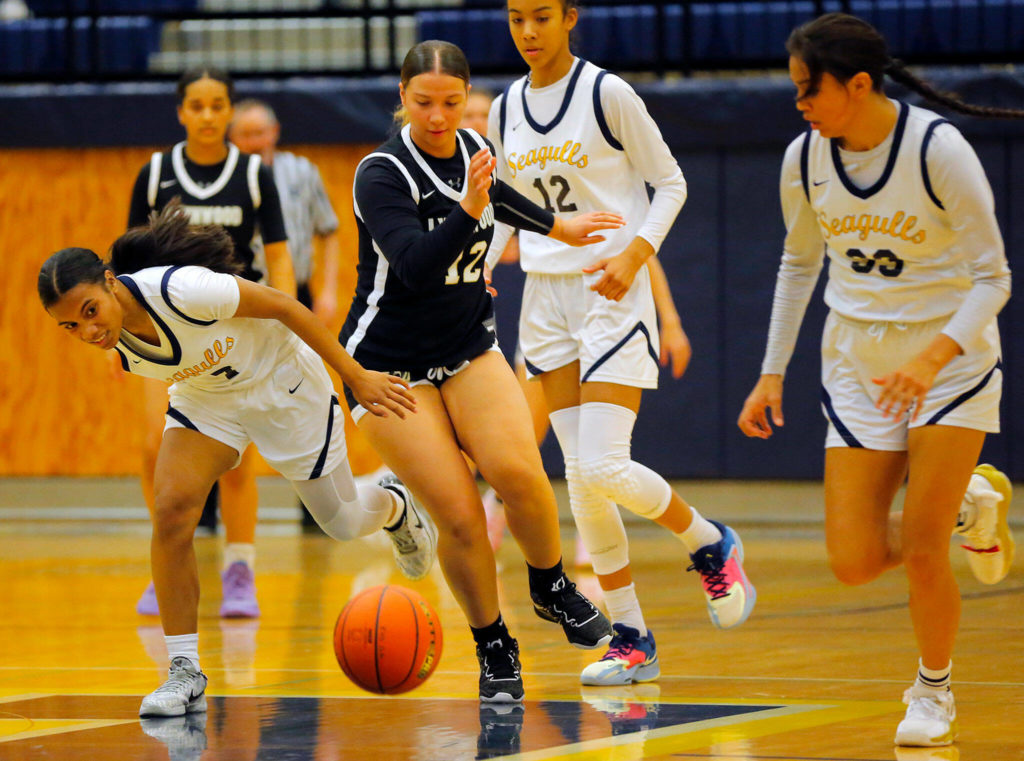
500 677
584 625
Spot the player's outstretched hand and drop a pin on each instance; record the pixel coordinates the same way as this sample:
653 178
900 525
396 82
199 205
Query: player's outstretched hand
576 231
478 183
767 394
379 393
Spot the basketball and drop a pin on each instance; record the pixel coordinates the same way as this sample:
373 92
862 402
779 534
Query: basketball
388 639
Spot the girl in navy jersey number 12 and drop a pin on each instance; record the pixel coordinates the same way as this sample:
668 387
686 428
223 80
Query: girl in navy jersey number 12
911 368
242 361
426 202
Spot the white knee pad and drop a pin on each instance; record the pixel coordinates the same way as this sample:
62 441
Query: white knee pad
341 510
606 466
599 523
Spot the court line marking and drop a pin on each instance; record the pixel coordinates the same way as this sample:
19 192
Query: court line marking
56 727
243 692
702 734
25 696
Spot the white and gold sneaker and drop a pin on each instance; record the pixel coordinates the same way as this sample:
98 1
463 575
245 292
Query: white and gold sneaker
987 540
930 719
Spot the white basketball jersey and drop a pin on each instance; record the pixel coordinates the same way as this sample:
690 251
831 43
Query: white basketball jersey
200 343
570 165
892 247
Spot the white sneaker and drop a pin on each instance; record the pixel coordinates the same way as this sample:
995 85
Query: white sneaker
930 719
988 541
183 692
415 537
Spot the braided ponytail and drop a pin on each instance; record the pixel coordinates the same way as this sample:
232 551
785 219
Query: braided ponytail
843 46
899 73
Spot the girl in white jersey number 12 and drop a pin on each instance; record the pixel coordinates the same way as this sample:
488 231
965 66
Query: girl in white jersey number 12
170 304
575 139
911 368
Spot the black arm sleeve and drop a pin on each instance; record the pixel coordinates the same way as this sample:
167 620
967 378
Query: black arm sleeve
387 209
138 210
516 210
269 215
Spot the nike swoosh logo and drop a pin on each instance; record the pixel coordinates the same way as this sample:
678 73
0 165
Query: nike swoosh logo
168 183
816 184
293 390
427 195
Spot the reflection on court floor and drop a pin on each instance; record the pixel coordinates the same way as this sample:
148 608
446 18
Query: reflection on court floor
605 720
815 674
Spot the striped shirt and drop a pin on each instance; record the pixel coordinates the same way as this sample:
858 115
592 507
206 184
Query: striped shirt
307 210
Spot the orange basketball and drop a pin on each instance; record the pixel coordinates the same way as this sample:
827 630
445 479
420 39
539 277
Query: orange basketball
388 639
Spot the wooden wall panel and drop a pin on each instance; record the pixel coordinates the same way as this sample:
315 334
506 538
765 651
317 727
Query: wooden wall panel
62 409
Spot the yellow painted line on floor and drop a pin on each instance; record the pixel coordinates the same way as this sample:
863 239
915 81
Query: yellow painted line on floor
16 697
703 734
23 728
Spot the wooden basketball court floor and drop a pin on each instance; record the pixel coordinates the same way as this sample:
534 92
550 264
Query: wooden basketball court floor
816 674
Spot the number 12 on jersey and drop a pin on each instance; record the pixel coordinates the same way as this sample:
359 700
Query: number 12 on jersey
471 272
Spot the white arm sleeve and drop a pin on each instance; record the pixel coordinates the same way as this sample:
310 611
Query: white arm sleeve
502 235
201 294
803 255
502 232
959 182
494 136
633 127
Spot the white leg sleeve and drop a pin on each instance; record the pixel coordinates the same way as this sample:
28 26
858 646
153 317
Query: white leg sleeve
343 511
597 518
605 434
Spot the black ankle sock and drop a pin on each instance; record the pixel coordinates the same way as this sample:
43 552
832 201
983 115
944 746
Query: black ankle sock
487 635
544 582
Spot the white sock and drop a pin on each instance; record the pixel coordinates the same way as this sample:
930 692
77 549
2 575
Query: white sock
184 645
700 533
934 679
240 552
624 608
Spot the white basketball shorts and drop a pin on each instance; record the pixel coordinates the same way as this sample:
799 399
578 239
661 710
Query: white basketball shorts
615 341
966 392
293 417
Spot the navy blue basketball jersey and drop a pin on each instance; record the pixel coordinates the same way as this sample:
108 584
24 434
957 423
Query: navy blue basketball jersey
422 304
238 194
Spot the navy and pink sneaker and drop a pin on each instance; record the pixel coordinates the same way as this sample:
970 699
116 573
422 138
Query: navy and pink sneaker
730 595
630 658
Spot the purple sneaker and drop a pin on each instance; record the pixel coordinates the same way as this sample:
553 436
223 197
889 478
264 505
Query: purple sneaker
239 589
146 606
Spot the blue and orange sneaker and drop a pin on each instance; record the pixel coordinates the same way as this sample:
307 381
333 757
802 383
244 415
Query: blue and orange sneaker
630 658
729 593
